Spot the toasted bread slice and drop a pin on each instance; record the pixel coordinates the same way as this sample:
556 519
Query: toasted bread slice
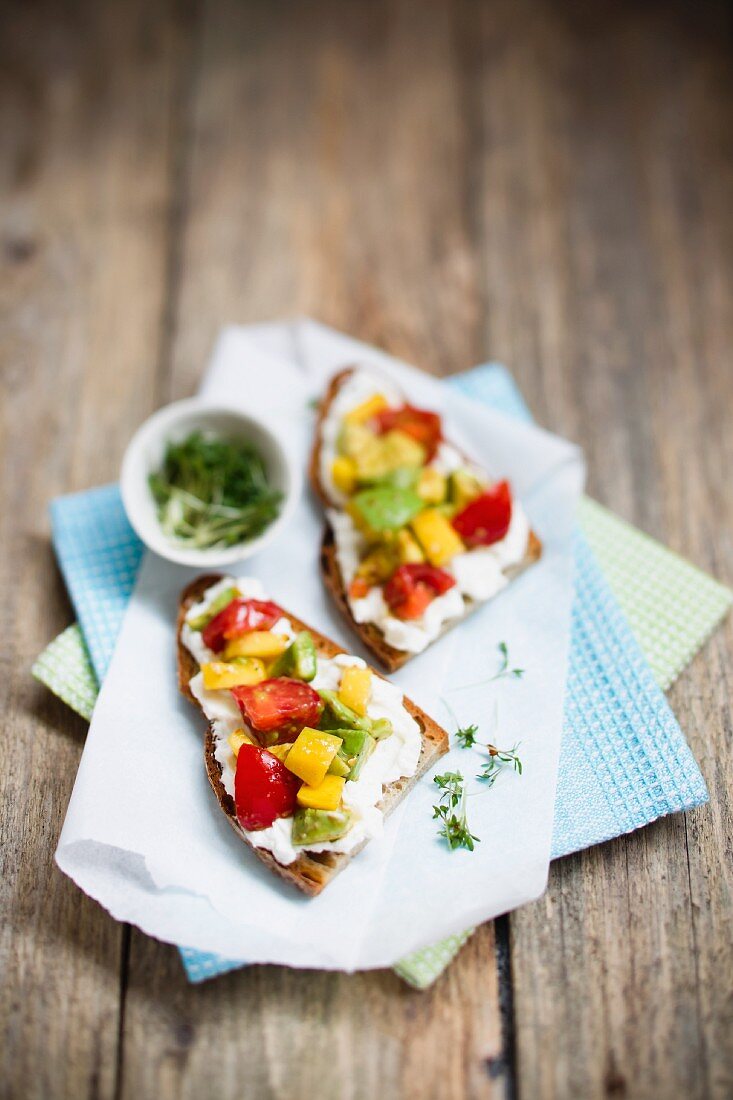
311 871
370 634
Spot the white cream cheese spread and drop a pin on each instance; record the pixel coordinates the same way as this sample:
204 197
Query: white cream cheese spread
394 758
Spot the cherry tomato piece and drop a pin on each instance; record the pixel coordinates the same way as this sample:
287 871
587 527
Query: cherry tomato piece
412 587
280 705
237 618
359 588
486 519
420 424
264 789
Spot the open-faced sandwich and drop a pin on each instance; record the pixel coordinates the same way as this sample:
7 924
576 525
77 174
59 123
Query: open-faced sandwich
418 535
307 748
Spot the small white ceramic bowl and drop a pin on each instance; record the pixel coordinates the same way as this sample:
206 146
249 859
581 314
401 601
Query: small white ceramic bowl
173 423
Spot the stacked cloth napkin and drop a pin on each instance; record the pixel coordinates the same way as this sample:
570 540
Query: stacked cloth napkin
640 614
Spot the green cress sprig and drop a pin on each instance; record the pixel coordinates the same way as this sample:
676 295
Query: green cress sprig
451 812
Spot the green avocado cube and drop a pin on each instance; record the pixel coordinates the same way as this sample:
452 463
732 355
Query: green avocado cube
299 659
387 507
360 757
337 715
340 766
316 826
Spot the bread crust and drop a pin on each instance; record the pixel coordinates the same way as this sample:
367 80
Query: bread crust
311 871
369 633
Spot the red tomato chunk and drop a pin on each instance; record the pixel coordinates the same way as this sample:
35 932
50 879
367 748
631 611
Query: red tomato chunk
237 618
264 789
281 706
418 423
412 587
486 519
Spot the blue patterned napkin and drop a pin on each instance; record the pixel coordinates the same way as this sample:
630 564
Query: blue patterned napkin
624 760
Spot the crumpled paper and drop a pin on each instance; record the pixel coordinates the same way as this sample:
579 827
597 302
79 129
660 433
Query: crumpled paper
143 833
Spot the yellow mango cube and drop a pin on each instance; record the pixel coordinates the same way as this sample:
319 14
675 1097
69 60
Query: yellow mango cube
343 472
219 674
237 739
326 796
257 643
311 754
439 540
409 550
367 409
432 486
355 688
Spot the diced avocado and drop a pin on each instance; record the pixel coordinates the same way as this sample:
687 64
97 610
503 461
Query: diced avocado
345 723
316 826
337 717
404 477
339 766
358 746
222 600
381 728
386 507
463 487
298 660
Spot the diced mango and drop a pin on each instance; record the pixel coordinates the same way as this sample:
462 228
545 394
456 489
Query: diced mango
343 472
326 796
257 643
367 409
311 754
280 751
355 689
237 739
436 536
220 674
432 486
408 548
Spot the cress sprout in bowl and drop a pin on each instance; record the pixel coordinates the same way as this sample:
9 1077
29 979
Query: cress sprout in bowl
208 485
213 492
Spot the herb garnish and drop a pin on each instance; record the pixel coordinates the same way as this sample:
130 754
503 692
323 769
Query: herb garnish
213 492
498 758
451 812
502 672
464 735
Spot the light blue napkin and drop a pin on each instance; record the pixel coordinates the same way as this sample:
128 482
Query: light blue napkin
624 760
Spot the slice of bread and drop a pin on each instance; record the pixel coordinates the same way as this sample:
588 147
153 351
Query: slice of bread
311 871
370 634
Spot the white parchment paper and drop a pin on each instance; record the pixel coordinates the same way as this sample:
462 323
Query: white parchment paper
143 834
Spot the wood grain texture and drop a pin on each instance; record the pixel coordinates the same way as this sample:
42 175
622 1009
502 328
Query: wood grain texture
549 184
85 102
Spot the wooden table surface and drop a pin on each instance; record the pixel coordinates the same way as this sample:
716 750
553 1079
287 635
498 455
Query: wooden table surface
548 184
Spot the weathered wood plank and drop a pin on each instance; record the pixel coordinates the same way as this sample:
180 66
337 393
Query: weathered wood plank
606 194
86 105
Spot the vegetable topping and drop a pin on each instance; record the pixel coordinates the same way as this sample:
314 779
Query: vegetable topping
281 706
421 425
412 587
264 789
486 519
237 618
